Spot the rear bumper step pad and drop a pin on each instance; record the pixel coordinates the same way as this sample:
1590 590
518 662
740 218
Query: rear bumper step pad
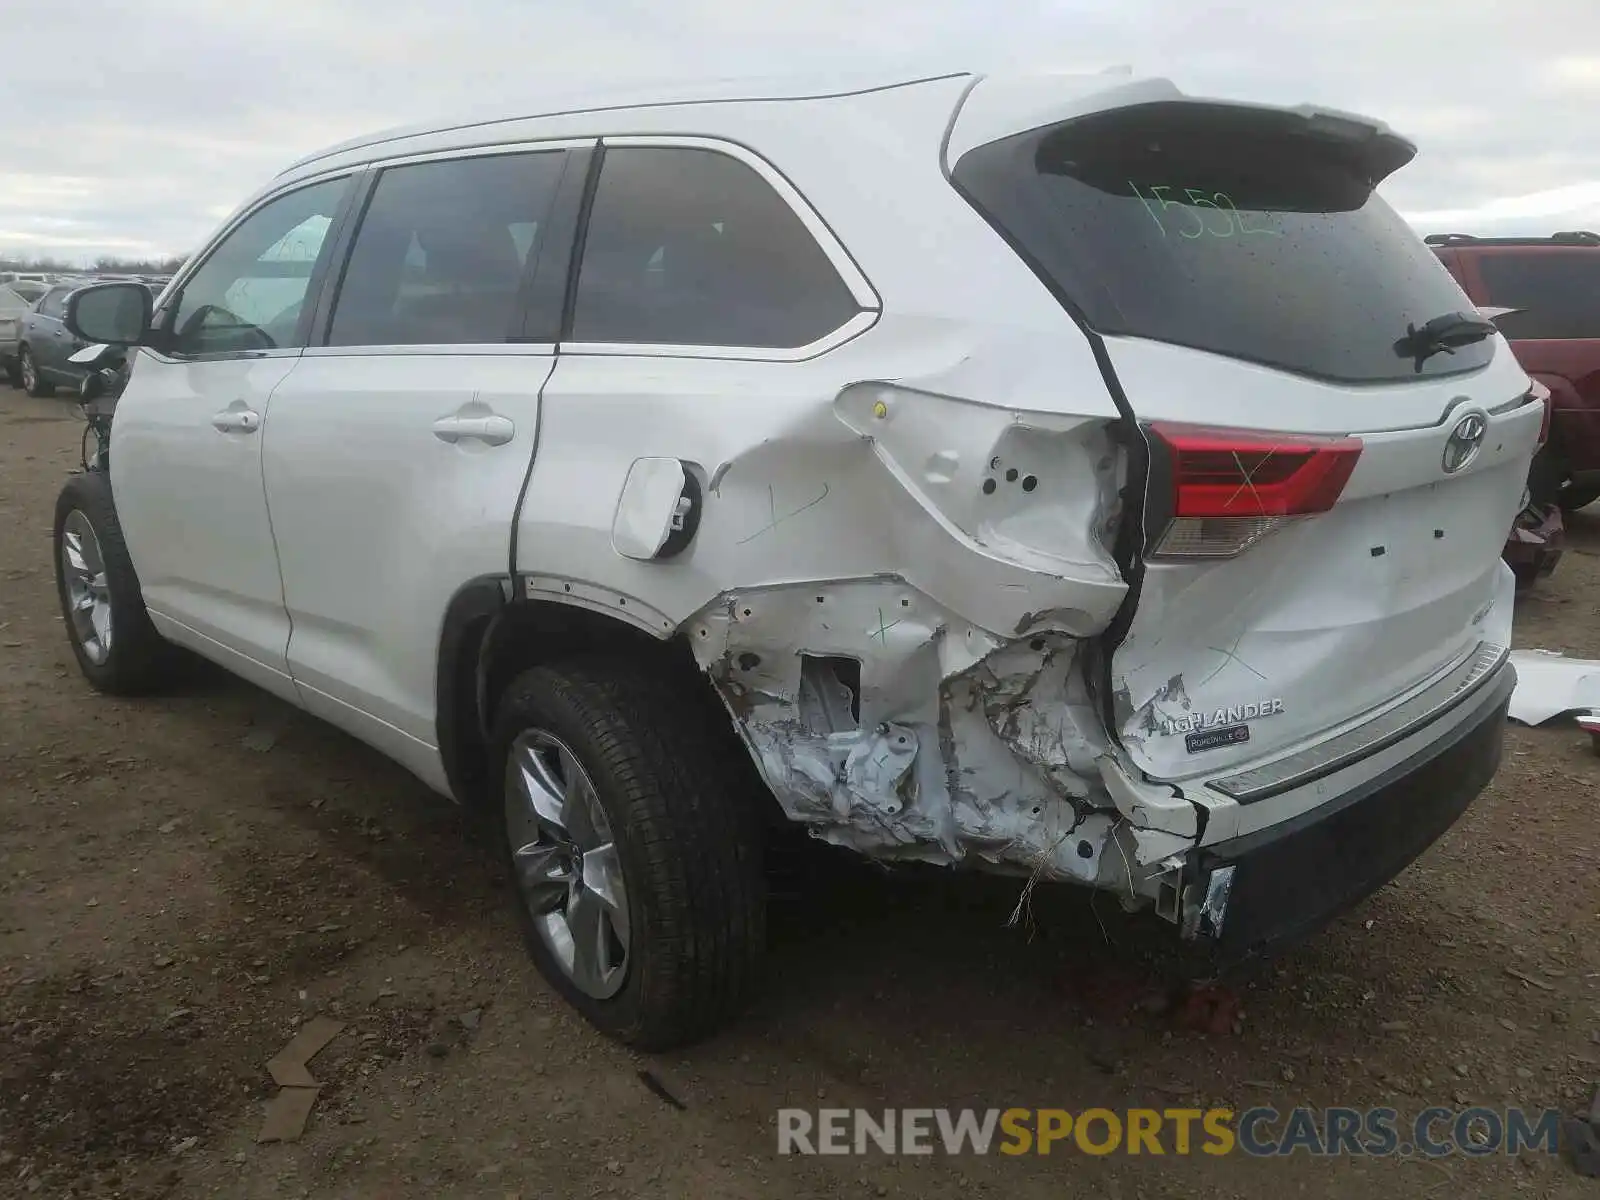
1288 880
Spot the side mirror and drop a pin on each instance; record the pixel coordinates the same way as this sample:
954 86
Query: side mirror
116 314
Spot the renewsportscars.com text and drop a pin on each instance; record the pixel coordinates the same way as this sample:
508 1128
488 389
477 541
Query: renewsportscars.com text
1258 1132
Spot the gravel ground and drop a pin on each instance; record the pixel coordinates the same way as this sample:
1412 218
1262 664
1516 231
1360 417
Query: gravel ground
184 880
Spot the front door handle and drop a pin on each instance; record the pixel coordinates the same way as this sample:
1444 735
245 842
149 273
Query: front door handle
237 419
493 429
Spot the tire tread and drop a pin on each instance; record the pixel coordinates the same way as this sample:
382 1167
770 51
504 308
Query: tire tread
692 824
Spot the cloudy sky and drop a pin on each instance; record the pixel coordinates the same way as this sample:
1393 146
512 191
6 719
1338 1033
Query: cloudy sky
132 129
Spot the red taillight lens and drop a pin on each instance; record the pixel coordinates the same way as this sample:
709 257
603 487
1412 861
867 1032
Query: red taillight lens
1229 488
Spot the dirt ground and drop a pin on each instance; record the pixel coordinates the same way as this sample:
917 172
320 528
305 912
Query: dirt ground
183 881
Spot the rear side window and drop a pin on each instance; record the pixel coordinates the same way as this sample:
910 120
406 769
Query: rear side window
691 247
1228 229
440 256
1558 291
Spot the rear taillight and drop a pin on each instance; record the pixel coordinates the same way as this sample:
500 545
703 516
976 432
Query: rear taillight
1228 488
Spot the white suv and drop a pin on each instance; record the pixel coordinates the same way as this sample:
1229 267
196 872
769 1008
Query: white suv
1057 476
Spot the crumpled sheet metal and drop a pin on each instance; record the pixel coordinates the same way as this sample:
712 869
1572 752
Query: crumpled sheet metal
1550 684
964 747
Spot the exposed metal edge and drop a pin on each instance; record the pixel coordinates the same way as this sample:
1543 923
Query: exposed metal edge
1383 731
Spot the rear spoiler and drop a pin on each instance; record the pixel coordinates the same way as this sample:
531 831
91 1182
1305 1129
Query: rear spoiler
1001 105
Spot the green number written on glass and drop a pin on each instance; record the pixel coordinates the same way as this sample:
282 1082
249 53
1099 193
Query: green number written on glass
1200 214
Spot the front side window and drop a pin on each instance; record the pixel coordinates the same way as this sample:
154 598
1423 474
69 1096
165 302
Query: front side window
440 256
1557 291
692 247
250 294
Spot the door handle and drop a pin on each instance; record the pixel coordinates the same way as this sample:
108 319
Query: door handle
237 420
493 429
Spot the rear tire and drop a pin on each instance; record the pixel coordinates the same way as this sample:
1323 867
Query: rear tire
28 374
117 648
673 850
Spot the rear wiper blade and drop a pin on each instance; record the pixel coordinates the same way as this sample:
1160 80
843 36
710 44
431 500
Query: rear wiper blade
1442 334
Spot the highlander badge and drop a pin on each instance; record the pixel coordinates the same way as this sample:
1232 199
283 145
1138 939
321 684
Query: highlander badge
1233 715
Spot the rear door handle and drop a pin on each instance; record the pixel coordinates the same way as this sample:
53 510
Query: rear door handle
493 429
237 420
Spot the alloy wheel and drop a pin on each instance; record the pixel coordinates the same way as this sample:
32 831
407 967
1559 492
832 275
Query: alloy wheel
567 866
84 576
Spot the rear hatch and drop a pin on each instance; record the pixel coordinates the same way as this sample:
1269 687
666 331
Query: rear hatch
1325 494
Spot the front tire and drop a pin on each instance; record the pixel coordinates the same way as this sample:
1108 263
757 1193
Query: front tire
28 371
634 848
117 648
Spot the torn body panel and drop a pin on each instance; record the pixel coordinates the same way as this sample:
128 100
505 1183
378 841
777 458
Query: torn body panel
891 584
892 726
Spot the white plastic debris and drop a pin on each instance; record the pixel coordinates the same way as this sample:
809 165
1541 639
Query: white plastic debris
1550 684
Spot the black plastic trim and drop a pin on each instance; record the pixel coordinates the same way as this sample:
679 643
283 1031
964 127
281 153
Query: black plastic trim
1294 877
580 239
350 220
575 196
542 300
461 743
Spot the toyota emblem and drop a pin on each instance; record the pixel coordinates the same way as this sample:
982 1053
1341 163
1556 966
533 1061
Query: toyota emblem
1464 442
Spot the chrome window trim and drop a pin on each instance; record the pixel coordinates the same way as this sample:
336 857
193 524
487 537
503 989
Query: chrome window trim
854 327
229 356
861 288
473 349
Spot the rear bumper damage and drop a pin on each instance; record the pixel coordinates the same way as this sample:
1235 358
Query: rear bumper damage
1266 890
939 713
946 744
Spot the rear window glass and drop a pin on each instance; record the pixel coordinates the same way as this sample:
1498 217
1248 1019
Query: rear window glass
1230 230
1558 291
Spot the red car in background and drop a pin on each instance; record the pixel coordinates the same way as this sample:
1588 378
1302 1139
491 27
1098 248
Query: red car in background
1549 292
1544 294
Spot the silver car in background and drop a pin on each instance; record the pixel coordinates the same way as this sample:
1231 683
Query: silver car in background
15 300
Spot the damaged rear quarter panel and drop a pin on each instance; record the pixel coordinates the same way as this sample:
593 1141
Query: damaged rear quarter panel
849 520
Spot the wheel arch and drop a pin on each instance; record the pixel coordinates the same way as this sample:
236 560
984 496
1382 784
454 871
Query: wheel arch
491 632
